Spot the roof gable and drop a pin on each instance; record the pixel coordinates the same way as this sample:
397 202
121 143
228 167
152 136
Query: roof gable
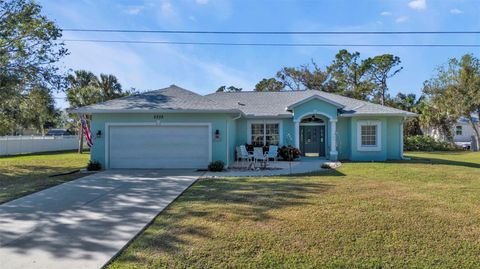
315 97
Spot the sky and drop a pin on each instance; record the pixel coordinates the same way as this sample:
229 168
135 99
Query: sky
203 69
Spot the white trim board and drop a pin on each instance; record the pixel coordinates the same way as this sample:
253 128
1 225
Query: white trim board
154 123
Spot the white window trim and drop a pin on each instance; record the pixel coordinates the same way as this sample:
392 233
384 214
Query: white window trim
377 147
249 129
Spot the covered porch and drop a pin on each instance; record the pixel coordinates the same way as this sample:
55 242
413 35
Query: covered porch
315 135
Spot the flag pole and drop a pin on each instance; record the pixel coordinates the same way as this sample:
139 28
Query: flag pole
80 135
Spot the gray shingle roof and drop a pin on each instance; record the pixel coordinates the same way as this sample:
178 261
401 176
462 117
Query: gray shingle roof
275 103
266 104
171 98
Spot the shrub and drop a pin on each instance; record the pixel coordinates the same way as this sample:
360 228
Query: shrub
289 153
94 166
427 143
216 166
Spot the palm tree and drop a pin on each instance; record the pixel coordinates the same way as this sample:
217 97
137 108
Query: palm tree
83 89
110 87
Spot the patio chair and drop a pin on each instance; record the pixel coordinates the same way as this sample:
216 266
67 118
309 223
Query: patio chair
272 153
258 156
243 155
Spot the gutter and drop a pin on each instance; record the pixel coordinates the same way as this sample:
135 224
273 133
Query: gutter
114 111
379 114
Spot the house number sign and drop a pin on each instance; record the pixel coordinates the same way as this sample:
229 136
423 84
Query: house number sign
157 117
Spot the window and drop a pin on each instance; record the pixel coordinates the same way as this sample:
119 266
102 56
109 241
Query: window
257 134
458 130
369 136
272 134
312 119
264 133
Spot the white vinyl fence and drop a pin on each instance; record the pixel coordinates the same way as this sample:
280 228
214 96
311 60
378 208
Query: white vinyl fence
12 145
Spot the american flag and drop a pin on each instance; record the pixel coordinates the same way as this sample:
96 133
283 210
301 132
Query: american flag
86 131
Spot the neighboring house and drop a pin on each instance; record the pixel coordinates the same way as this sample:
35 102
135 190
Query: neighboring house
462 132
177 128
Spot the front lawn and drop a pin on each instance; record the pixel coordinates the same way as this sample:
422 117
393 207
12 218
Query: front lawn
419 213
22 175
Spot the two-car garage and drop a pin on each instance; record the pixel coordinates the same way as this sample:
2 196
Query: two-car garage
164 146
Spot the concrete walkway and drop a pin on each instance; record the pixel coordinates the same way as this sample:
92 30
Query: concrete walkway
305 165
84 223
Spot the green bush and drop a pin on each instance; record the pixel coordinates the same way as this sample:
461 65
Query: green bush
427 143
216 166
289 153
94 166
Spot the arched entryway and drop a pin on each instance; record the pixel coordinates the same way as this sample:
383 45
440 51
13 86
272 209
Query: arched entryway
330 131
313 138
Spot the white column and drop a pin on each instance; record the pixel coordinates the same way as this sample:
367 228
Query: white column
333 140
297 134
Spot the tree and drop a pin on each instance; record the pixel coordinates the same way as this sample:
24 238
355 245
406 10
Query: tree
29 44
229 89
304 77
269 85
29 51
38 109
83 89
349 75
109 87
455 90
409 102
381 68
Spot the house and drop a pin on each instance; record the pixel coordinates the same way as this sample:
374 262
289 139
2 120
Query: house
177 128
462 131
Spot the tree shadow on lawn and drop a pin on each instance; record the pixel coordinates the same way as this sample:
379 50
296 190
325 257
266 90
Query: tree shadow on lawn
436 161
216 201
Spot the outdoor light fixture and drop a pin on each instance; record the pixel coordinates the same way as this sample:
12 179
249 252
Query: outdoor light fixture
99 134
217 134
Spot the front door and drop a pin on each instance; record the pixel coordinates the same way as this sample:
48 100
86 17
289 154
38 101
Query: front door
312 141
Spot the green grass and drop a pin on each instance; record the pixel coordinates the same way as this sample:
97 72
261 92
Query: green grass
22 175
410 214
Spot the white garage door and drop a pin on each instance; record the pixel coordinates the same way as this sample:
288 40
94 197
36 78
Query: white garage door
159 146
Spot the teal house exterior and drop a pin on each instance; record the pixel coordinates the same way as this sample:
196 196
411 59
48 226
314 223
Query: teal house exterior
177 128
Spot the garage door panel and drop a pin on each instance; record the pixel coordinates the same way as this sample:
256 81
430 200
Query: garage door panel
159 146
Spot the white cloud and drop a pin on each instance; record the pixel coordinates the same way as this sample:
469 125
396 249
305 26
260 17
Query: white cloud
418 4
386 13
133 10
202 2
401 19
456 11
168 10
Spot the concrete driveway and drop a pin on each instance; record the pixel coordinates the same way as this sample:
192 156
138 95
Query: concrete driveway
85 222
